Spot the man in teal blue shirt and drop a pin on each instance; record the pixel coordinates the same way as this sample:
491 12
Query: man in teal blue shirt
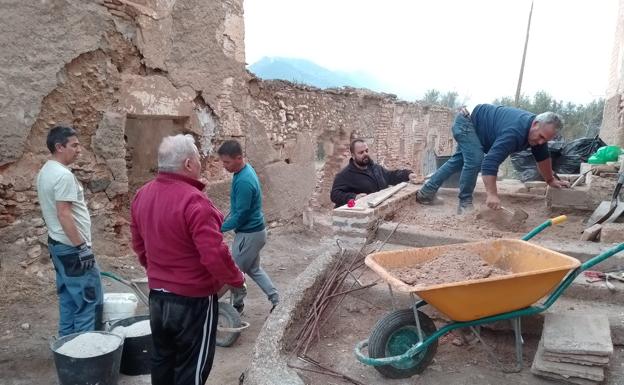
247 221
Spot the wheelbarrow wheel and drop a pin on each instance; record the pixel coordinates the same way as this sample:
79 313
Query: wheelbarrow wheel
394 334
228 318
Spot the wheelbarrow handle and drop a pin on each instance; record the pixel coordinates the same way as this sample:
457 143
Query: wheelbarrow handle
550 222
599 258
244 325
575 273
115 277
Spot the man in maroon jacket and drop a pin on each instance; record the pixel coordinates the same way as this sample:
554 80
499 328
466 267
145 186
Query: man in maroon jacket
176 233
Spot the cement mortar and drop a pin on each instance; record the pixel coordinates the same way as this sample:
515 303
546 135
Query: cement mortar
137 329
88 345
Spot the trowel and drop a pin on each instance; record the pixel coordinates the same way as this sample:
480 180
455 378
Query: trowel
608 212
505 218
517 215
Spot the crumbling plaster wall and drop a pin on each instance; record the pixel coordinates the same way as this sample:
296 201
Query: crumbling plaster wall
612 130
79 63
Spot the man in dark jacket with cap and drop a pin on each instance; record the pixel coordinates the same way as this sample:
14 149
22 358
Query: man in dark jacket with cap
362 176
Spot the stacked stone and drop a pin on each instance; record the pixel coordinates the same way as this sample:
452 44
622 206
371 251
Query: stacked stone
574 348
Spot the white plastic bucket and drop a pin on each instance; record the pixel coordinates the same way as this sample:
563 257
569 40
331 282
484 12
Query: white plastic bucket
118 306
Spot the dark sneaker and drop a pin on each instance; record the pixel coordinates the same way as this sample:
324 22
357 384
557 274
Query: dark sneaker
425 200
274 301
466 208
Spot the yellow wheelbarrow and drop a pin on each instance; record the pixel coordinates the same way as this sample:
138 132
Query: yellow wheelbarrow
405 341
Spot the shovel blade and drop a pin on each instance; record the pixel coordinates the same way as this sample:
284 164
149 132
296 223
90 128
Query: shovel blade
602 213
617 212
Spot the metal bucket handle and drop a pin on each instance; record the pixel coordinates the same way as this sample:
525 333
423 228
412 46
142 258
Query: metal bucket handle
244 325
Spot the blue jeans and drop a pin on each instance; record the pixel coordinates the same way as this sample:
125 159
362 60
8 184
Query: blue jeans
79 291
467 159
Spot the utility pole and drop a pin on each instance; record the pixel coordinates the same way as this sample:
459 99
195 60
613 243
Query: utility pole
526 43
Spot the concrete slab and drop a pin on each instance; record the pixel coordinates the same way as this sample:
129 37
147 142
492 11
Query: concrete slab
568 371
578 359
579 198
614 312
557 377
577 334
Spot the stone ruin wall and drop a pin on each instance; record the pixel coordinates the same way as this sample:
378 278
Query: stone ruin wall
178 68
311 129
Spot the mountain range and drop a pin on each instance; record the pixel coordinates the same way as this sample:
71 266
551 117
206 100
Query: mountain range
307 72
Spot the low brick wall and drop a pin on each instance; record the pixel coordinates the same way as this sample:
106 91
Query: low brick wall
358 225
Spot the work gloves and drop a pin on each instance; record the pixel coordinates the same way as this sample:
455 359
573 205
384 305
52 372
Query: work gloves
85 256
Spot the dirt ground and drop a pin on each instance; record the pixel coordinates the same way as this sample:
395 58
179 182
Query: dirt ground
482 224
27 296
456 362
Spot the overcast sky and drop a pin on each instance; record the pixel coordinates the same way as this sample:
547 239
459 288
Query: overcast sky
471 47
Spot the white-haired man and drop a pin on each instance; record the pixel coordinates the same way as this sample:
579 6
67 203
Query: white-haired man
176 233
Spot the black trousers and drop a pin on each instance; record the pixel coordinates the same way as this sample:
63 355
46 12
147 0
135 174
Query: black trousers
184 331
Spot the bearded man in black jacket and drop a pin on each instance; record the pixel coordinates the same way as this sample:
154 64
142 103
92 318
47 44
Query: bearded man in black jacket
362 176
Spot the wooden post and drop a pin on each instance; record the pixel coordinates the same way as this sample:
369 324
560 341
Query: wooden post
526 43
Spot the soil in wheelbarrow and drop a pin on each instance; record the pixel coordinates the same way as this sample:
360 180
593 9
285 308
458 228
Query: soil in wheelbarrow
453 266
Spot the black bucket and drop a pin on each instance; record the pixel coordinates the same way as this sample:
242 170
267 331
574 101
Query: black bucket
137 351
98 370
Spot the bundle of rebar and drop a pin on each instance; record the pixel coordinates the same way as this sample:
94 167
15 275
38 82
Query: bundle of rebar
332 291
